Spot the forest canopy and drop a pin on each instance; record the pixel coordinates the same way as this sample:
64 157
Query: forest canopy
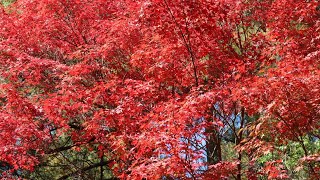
160 89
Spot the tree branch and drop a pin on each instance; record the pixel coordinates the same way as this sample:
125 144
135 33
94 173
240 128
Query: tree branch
188 45
101 163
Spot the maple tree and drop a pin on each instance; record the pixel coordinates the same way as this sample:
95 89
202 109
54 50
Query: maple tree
159 89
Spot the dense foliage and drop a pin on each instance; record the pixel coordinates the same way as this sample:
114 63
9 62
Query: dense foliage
160 89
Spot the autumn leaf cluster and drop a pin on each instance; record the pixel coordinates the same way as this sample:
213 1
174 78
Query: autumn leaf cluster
156 89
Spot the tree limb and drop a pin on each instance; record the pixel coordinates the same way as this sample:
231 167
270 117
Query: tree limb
101 163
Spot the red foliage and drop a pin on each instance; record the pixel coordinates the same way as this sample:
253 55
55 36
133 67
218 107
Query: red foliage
138 77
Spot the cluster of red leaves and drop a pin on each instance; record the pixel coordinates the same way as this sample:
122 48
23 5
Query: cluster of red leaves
138 76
